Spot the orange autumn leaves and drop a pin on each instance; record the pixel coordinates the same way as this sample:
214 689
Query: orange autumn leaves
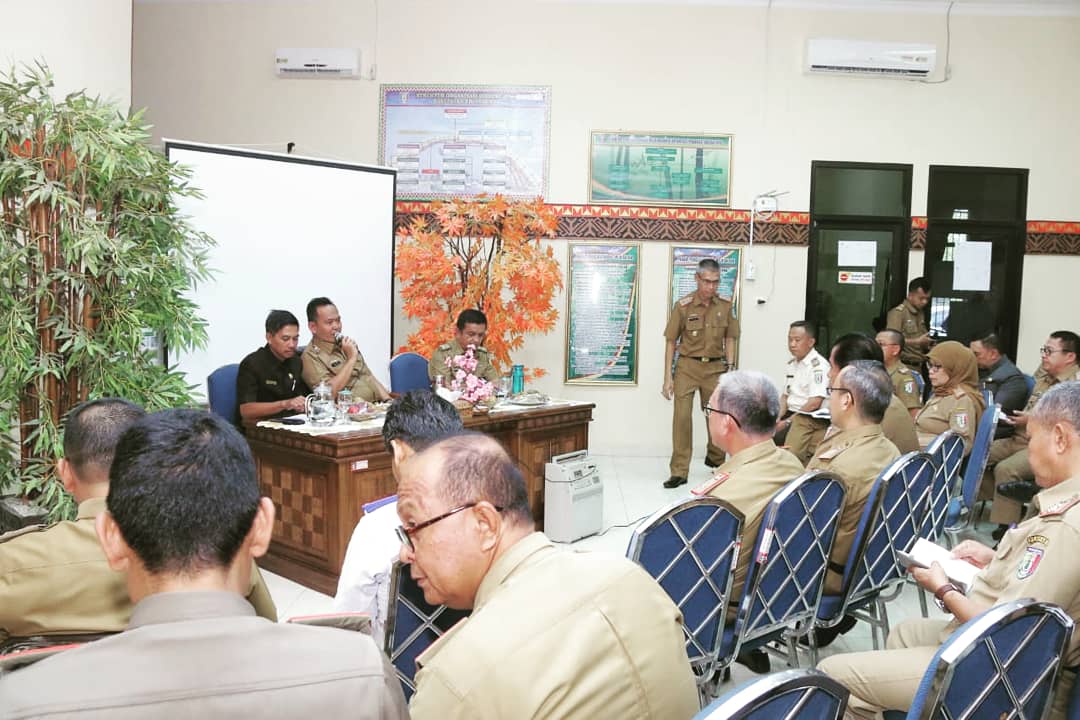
480 253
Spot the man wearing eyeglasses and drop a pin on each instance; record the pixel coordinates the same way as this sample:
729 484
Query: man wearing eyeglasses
552 633
1008 463
705 329
906 383
858 452
1001 377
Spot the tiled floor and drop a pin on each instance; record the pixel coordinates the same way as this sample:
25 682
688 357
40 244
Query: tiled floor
632 491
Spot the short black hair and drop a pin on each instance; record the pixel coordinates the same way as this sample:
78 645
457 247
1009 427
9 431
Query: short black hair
420 418
476 468
183 490
1070 342
855 346
92 429
807 326
990 342
471 316
313 307
919 283
708 264
278 319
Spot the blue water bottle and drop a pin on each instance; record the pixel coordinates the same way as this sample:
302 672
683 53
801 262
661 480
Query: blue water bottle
517 379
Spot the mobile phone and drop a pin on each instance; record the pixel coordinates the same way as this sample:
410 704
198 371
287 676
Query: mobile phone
291 421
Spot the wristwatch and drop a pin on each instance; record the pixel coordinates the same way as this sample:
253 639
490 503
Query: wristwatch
939 595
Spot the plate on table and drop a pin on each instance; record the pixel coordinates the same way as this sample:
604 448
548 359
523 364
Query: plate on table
528 399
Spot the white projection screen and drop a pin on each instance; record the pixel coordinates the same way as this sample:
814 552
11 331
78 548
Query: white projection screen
288 229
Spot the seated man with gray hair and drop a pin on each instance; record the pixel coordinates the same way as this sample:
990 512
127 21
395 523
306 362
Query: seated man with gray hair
552 633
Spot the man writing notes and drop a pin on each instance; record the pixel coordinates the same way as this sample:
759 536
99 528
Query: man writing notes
270 381
334 358
471 331
706 330
552 633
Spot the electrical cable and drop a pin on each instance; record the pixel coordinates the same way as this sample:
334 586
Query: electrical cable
948 45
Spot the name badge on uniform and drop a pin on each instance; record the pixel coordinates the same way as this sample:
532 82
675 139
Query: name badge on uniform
335 363
271 382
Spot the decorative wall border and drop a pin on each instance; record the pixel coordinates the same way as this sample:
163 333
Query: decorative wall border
708 225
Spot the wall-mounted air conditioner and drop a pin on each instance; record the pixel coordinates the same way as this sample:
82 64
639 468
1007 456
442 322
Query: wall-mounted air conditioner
317 62
912 61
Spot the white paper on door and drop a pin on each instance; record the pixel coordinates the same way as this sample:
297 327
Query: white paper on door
971 266
856 253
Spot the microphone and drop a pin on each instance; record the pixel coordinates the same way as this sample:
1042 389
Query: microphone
338 337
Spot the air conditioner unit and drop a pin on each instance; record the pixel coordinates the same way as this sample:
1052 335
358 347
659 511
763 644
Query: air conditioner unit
317 62
912 61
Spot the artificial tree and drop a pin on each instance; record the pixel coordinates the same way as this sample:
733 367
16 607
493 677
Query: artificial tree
94 257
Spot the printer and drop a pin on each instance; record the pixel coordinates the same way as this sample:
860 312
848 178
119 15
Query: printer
573 497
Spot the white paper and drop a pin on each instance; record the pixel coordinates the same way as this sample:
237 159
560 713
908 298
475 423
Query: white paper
971 266
959 571
856 253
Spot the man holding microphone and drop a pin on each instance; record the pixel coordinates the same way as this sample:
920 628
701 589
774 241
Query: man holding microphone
334 358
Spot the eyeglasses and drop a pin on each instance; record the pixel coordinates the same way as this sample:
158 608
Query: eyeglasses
706 409
405 534
1044 350
831 390
934 366
706 281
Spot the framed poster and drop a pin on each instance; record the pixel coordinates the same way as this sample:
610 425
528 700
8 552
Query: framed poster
602 313
646 168
684 262
450 141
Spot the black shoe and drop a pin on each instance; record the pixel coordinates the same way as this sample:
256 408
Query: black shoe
756 661
825 636
709 463
999 532
1019 490
674 481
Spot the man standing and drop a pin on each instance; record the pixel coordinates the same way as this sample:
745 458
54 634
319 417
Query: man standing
471 331
804 393
413 422
858 452
270 381
1001 377
592 634
54 579
706 330
334 358
185 523
906 383
1008 462
908 318
1037 559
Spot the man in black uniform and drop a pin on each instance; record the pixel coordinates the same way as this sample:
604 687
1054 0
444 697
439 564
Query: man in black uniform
270 382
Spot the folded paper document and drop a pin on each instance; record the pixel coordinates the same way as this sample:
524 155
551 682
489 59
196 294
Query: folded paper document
924 553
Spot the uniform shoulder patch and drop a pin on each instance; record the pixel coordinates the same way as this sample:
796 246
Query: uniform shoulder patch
958 393
814 362
444 346
1060 508
1030 562
482 350
686 299
706 487
832 452
909 386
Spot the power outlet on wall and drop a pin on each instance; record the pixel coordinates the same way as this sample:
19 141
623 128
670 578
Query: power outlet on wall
751 271
765 204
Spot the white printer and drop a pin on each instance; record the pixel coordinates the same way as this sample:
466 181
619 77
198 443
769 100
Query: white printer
573 497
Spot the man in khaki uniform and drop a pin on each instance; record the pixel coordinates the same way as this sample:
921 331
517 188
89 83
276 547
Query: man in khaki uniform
337 362
1036 559
856 452
804 392
54 579
1008 461
908 318
552 633
185 523
471 331
706 330
905 381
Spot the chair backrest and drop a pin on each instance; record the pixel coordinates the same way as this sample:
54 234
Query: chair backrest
1030 381
980 453
791 694
691 547
1002 663
412 625
791 556
221 392
890 521
919 381
946 451
408 371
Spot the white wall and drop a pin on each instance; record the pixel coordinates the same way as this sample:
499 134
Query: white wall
205 71
86 43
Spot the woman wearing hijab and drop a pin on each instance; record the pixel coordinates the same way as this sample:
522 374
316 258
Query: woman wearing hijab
956 403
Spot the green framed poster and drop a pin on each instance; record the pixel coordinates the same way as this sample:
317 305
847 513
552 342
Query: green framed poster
684 262
602 313
654 168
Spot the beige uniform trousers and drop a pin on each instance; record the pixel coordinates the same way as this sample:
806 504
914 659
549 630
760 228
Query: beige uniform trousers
691 376
804 436
1008 462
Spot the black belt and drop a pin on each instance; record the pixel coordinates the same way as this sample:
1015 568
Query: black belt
836 567
704 359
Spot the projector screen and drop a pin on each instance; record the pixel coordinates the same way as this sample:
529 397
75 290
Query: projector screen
288 229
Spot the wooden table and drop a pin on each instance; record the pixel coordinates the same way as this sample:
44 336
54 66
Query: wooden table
319 483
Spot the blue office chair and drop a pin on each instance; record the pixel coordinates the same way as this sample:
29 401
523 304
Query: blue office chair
1030 381
791 695
873 575
690 547
412 625
961 513
791 557
1000 664
946 451
409 371
221 392
920 382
